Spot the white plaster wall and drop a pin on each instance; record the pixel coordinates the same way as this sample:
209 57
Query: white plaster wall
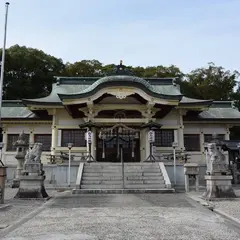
64 119
205 128
172 119
8 156
201 129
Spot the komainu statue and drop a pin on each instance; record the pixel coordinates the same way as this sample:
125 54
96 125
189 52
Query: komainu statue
216 161
34 155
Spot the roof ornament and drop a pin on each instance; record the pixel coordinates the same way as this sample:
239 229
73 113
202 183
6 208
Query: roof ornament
120 70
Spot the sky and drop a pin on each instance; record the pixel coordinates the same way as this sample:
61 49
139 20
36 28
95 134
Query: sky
185 33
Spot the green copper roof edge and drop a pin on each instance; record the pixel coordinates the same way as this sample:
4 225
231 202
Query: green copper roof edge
28 101
78 80
211 119
207 103
223 104
119 81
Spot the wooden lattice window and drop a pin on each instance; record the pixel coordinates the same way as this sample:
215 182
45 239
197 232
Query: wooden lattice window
164 137
208 137
75 136
192 142
12 138
45 139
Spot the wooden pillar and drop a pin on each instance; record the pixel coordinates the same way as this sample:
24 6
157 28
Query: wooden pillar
180 132
94 141
54 135
147 144
4 140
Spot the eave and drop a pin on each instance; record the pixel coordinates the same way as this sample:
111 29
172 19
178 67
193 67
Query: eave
28 102
119 84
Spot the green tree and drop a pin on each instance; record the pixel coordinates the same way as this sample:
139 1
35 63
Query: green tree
29 73
213 82
158 71
84 68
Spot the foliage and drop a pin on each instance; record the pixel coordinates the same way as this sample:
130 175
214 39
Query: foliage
29 73
213 82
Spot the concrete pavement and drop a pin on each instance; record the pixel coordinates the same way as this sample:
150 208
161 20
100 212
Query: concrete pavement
123 216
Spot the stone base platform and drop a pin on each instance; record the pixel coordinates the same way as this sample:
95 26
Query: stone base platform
218 186
31 186
121 191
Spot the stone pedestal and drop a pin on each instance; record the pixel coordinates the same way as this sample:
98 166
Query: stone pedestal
3 174
32 178
191 169
31 186
218 186
16 180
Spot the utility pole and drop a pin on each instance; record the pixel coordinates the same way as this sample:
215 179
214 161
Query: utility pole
3 61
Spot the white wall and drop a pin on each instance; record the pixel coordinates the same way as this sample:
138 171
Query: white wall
8 156
172 119
64 119
201 129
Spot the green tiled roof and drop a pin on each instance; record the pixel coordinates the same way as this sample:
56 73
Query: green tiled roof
161 91
15 109
187 101
219 110
77 87
81 87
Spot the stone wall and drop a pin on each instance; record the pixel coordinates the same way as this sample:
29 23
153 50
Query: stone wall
56 175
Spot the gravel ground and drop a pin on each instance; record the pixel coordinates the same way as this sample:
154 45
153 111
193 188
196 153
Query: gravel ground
125 216
231 207
18 208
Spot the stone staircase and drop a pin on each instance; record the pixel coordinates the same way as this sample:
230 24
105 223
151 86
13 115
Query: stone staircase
137 177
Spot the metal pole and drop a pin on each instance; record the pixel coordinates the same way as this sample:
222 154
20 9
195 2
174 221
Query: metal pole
174 160
121 156
3 60
69 167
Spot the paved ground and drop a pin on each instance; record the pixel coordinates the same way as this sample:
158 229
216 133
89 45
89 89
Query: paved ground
130 216
228 207
15 209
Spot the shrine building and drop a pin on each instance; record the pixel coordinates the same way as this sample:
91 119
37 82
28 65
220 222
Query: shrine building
119 110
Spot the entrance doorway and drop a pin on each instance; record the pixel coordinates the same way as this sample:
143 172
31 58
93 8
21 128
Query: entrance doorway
111 140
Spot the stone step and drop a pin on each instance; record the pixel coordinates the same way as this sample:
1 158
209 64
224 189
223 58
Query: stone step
102 167
121 191
101 178
125 167
94 164
129 178
97 174
144 186
102 170
142 170
102 186
144 178
119 175
120 171
147 174
101 182
145 182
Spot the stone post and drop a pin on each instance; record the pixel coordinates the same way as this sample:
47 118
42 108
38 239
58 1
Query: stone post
191 169
218 177
22 145
3 174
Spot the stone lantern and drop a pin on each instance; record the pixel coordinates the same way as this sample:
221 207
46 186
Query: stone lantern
22 146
